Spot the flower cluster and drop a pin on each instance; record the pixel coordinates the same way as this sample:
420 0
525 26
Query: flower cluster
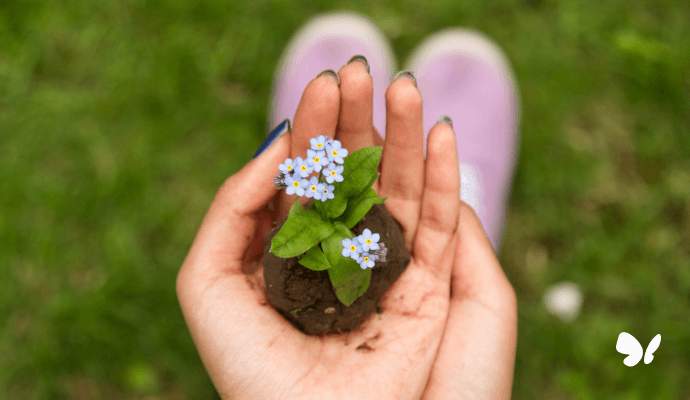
365 249
323 157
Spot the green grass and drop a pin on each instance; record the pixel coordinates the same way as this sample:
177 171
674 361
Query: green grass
119 119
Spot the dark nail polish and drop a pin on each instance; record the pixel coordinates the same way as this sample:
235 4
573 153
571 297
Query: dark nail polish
361 58
279 131
446 119
408 74
331 73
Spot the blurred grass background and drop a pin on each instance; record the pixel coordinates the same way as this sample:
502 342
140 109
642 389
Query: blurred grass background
119 119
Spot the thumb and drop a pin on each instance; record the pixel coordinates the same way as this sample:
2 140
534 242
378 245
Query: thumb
230 223
477 273
481 332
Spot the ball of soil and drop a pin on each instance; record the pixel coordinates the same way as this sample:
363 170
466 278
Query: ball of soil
307 299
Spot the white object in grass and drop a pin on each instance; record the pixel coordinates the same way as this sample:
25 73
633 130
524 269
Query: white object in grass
563 300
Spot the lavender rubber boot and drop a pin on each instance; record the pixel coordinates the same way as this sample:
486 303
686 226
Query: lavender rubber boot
329 41
466 76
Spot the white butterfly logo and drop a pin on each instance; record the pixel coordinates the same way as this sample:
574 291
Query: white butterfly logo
627 344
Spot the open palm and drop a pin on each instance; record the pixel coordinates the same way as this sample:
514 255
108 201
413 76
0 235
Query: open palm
248 348
449 324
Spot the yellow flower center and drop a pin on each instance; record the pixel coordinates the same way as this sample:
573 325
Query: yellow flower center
335 153
368 241
366 258
304 168
353 248
333 173
316 159
289 167
319 145
313 188
295 184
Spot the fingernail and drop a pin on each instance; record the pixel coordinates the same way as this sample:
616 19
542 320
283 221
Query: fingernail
361 58
331 73
446 119
279 131
407 74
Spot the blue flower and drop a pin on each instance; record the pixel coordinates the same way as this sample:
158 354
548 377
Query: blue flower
351 248
295 185
319 143
366 260
336 152
313 188
288 168
302 167
317 159
333 173
326 192
369 241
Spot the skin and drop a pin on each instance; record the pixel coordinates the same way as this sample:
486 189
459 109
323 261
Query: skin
449 324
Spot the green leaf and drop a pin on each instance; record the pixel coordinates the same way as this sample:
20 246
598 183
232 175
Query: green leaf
296 207
359 174
358 207
371 182
319 206
360 170
302 231
333 208
315 260
348 279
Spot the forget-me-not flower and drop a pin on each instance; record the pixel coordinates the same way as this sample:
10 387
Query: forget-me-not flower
302 167
288 167
380 254
295 185
333 173
279 181
317 159
336 152
319 143
351 248
369 241
366 260
327 192
313 188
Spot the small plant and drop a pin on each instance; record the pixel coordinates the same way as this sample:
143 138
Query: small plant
342 195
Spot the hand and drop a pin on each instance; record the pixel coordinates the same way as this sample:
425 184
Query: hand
477 354
248 348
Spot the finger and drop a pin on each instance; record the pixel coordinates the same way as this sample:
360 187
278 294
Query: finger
402 164
356 121
317 114
481 333
378 141
230 223
440 202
